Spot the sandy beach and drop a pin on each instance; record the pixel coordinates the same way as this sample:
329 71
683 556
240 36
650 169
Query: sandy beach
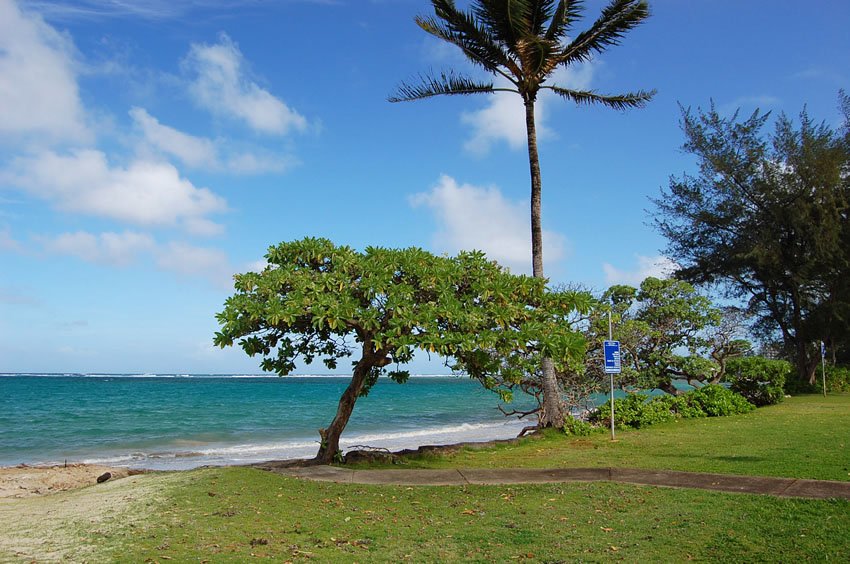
26 481
45 512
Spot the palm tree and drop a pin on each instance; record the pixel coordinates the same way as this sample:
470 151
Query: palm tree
524 42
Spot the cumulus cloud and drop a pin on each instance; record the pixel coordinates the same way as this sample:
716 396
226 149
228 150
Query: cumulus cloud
222 86
147 193
472 217
658 267
193 151
39 96
130 247
503 118
190 260
201 152
113 249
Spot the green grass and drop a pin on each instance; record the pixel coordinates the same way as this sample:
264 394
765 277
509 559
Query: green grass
240 514
802 437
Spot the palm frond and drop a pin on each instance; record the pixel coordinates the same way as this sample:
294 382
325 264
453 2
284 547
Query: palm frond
447 84
461 29
637 99
616 19
540 12
506 20
562 19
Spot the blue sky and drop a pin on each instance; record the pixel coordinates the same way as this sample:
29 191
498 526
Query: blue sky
147 154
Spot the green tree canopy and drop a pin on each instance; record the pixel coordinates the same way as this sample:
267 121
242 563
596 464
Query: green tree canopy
766 219
523 43
666 332
318 300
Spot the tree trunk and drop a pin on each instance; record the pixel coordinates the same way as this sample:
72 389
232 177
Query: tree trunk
330 436
553 409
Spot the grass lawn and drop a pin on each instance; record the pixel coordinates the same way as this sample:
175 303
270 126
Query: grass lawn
237 514
242 514
802 437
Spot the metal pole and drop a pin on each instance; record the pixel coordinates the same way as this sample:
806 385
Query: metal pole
611 338
823 367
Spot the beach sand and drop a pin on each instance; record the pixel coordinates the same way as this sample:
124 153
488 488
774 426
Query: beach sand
53 514
26 481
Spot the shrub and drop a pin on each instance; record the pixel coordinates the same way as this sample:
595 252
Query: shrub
717 401
634 411
760 380
639 410
686 406
576 427
837 380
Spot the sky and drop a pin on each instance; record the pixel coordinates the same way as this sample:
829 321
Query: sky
149 151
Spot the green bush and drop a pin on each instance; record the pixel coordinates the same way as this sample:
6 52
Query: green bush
576 427
760 380
717 401
633 412
837 380
686 407
639 410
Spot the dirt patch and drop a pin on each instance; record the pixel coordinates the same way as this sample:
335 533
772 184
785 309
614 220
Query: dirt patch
71 525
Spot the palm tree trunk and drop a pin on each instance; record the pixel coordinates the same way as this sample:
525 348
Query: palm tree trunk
553 409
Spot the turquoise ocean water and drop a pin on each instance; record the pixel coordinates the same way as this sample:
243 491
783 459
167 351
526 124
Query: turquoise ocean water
183 421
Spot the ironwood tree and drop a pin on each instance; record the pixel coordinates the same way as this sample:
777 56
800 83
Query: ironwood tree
765 219
523 43
318 300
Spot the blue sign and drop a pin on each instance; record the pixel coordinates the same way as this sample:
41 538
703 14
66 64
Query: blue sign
612 356
822 350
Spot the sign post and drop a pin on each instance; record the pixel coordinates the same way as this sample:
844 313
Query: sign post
611 350
823 366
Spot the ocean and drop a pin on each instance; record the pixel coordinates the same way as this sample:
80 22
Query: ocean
173 422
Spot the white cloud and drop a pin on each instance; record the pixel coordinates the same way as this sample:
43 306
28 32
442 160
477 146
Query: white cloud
39 95
472 217
129 247
193 151
200 152
189 260
114 249
503 118
222 86
657 267
144 193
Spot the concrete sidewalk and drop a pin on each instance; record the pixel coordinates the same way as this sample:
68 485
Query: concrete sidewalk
782 487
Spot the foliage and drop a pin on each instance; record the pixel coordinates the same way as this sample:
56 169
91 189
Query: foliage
760 380
523 43
654 324
576 427
639 410
766 218
717 401
317 300
837 380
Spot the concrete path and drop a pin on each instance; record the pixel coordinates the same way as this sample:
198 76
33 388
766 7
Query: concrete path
782 487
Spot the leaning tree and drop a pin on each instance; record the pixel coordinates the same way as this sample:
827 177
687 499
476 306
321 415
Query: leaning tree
318 300
523 43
